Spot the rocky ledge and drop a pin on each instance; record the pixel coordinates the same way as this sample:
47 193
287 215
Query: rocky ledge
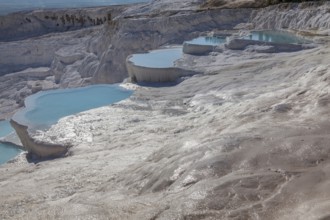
38 149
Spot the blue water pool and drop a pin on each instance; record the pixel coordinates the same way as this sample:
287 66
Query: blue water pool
45 108
7 6
162 58
7 151
5 128
275 37
213 41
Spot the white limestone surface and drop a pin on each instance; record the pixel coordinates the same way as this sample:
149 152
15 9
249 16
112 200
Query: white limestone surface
248 139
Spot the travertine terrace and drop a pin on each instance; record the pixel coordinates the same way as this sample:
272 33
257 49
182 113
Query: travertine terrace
247 138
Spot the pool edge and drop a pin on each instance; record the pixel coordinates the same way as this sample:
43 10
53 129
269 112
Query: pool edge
39 149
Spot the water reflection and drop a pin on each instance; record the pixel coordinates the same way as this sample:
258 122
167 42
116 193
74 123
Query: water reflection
275 37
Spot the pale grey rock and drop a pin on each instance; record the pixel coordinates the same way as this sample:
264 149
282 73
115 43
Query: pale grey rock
69 55
283 108
261 46
23 25
141 74
72 64
306 17
12 138
152 75
156 7
88 66
195 49
37 150
38 52
17 56
245 26
15 87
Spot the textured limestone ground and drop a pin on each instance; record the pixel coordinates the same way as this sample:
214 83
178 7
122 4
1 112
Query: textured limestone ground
249 139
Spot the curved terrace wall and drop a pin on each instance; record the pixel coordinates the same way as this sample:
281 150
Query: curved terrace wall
153 74
145 33
45 109
156 65
203 45
241 44
195 49
39 149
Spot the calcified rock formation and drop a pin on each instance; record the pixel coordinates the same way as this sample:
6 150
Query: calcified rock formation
195 49
17 86
98 54
141 33
33 59
38 149
268 47
307 17
148 74
247 139
155 74
18 26
39 52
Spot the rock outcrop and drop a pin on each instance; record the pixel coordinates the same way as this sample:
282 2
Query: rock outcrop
15 87
140 74
38 149
195 49
309 17
23 25
242 44
19 55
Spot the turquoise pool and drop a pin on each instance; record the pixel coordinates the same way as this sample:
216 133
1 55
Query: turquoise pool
162 58
5 128
7 151
275 37
45 108
212 41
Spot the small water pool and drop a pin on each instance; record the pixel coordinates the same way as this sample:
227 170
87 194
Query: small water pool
45 108
5 128
275 37
7 151
212 41
162 58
